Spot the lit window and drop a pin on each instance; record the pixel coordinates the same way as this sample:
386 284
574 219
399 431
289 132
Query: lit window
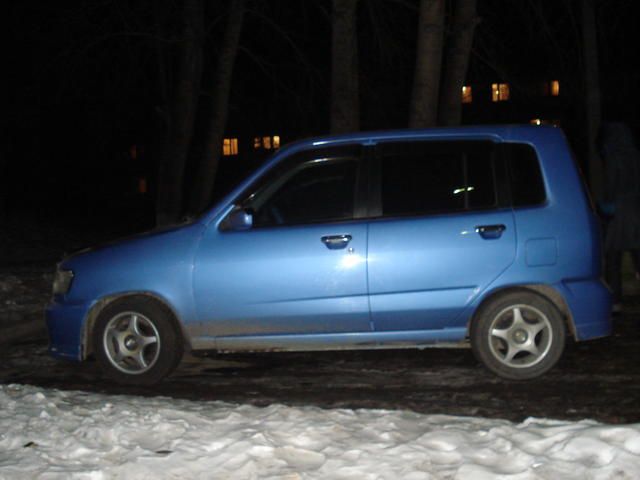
230 146
499 92
542 121
551 88
268 143
466 94
142 185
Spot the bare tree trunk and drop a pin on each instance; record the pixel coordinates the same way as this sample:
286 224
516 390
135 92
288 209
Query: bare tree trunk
3 186
457 61
182 117
210 154
592 96
345 103
162 70
423 110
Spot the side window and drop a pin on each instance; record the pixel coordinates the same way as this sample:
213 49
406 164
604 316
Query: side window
437 177
316 191
527 186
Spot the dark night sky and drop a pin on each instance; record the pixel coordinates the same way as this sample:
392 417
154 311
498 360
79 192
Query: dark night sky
83 82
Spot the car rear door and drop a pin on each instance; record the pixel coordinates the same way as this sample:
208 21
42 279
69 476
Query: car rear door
443 232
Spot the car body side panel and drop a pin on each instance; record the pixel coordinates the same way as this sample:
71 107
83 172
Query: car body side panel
282 280
424 271
566 233
590 303
158 263
450 337
567 223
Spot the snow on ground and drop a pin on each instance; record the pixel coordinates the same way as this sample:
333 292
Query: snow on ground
51 434
23 293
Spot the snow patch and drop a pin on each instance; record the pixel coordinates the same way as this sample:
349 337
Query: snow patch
51 434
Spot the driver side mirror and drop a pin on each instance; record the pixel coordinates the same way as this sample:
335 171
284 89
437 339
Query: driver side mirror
240 219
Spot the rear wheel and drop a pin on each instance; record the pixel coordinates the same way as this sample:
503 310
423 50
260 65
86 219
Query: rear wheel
518 335
136 341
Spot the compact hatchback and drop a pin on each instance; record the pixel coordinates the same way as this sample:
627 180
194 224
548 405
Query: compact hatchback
475 236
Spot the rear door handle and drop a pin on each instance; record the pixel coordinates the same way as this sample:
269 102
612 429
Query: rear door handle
490 231
335 242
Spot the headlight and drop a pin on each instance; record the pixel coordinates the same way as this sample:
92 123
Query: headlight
62 282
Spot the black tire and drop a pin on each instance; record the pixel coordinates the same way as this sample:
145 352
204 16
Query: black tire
518 335
136 341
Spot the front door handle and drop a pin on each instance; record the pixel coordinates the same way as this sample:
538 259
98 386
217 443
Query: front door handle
489 232
335 242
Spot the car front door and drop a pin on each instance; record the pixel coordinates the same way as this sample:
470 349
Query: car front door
442 233
301 266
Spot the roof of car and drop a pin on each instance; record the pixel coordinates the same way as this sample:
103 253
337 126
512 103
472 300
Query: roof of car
500 132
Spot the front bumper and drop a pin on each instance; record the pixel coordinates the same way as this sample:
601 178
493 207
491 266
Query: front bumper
65 323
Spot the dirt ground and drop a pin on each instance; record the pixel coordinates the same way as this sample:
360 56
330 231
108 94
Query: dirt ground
599 380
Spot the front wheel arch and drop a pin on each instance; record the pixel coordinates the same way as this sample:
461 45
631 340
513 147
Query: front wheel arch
87 347
136 341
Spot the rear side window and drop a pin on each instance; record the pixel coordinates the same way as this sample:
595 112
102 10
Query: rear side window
527 185
436 177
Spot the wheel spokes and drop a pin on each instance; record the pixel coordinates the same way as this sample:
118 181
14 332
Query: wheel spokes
535 328
515 336
139 359
134 325
518 321
512 351
531 348
502 333
131 342
148 340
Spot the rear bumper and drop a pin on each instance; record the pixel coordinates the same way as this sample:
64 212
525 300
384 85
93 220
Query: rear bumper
65 324
590 305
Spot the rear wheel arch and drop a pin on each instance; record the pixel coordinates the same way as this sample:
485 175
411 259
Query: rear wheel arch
518 333
546 291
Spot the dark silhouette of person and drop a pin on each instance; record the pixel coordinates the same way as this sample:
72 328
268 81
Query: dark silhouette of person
622 195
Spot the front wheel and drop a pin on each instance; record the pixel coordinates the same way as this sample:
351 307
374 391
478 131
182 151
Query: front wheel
136 342
518 335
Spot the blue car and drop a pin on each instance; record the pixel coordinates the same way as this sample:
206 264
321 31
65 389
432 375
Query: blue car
456 237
